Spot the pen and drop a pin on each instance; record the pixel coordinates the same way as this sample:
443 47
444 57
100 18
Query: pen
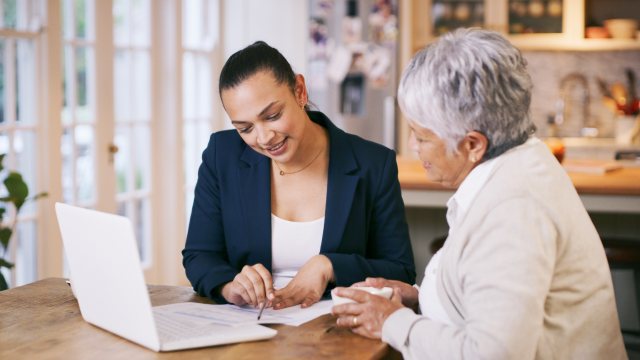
264 304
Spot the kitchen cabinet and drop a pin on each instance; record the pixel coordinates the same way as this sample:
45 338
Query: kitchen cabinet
495 16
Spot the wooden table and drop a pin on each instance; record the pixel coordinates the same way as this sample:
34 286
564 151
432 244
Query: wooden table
42 320
616 191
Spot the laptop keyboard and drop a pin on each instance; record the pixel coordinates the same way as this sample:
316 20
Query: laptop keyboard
170 329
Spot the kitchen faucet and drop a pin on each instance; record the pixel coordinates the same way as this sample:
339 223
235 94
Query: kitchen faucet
572 107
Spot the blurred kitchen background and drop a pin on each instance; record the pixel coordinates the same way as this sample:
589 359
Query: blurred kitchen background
108 104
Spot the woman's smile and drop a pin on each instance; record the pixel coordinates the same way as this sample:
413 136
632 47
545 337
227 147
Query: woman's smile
278 148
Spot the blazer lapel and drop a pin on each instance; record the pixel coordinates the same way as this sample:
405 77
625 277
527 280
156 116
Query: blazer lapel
341 186
254 174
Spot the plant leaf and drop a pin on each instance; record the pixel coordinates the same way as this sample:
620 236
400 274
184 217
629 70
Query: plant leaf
1 159
5 236
4 263
38 196
18 190
3 283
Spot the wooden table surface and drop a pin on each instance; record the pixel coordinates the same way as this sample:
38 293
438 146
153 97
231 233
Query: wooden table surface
625 181
42 320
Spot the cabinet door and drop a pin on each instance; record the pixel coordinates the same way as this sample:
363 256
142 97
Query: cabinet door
543 24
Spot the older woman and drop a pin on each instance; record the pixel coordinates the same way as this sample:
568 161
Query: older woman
523 274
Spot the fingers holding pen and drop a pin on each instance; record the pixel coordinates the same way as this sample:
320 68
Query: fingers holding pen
267 282
253 285
248 287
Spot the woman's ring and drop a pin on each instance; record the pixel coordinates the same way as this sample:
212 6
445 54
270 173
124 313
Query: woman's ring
355 321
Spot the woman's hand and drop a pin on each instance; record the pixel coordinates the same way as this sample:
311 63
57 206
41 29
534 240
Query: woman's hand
251 286
408 294
308 285
366 317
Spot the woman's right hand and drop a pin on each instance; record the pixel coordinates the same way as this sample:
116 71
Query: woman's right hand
408 294
253 285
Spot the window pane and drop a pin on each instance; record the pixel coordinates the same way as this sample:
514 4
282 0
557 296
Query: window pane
211 30
84 162
26 254
81 17
188 86
141 86
25 86
204 87
84 62
122 88
5 146
67 15
66 148
2 80
142 156
68 84
193 16
142 230
124 209
189 203
10 13
140 22
190 150
24 147
122 158
121 22
204 132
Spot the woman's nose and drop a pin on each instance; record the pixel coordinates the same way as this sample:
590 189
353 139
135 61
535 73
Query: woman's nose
265 135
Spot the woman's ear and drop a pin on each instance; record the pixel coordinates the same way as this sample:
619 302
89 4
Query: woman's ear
301 90
477 145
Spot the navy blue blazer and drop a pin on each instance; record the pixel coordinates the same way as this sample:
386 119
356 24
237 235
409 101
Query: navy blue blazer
365 229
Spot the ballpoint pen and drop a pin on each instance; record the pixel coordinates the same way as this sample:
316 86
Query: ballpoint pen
264 304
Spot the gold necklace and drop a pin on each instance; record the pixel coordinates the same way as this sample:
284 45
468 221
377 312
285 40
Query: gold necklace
284 173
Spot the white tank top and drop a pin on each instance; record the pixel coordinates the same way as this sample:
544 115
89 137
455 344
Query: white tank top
292 245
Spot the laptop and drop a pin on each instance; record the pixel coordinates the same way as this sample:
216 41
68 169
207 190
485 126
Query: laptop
109 285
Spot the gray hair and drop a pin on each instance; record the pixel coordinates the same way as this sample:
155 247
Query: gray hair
470 80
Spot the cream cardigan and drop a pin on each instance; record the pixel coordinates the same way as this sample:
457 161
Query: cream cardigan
523 276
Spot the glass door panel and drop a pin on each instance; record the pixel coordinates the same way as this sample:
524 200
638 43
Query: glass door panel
132 86
535 16
78 113
199 36
449 15
19 128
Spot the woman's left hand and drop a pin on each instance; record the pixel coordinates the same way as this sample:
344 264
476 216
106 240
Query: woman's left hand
308 285
366 317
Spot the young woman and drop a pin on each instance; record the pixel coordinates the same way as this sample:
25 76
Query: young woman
288 205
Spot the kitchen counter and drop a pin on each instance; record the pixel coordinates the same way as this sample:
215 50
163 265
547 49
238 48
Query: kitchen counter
616 191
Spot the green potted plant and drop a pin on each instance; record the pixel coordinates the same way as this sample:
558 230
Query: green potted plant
18 196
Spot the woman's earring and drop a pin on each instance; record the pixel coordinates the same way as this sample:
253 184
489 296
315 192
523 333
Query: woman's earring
302 104
473 159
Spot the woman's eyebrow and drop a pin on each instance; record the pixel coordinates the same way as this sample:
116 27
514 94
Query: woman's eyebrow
267 108
239 122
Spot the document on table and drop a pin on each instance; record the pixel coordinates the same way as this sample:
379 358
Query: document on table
203 314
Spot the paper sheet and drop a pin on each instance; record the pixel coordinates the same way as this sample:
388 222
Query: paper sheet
203 314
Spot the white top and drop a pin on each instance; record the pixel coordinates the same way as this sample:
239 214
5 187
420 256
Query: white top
458 204
292 245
